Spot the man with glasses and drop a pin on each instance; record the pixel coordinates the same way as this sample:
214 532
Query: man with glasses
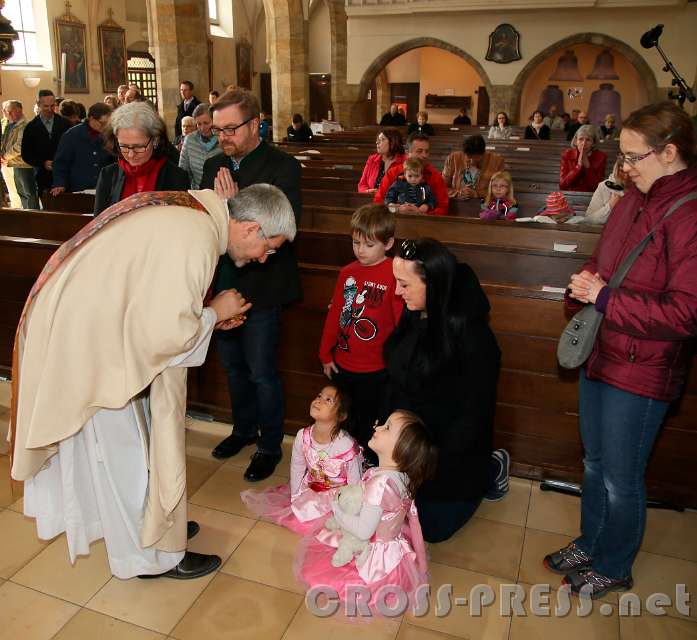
249 354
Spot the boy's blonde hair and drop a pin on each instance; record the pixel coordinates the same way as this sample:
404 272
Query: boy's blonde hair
501 175
374 222
413 164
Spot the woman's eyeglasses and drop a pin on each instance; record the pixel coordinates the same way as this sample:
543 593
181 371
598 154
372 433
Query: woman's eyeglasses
408 250
134 148
633 158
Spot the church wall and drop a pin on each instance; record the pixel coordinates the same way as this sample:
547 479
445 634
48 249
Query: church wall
369 36
319 39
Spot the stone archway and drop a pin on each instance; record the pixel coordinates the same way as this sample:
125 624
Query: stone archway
415 43
632 55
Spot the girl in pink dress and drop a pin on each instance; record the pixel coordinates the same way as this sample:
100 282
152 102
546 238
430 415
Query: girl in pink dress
324 459
388 520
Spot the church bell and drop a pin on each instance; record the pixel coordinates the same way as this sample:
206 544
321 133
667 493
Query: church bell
567 68
604 68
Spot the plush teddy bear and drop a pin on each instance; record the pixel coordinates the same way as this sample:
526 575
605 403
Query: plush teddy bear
350 499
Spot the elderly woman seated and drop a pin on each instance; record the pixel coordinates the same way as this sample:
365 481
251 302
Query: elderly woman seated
199 145
467 173
138 137
390 151
582 166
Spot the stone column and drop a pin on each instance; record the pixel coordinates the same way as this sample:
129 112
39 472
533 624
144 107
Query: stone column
342 97
287 35
180 47
501 98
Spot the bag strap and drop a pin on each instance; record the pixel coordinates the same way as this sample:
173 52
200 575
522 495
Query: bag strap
627 263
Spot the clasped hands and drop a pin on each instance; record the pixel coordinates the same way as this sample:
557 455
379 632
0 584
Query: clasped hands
586 286
224 185
230 307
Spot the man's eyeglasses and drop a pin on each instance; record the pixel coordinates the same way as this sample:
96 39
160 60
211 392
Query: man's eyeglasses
633 158
268 252
230 130
408 250
134 148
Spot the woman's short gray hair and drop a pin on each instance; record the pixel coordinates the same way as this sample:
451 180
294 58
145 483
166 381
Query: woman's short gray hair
138 115
202 110
586 131
266 205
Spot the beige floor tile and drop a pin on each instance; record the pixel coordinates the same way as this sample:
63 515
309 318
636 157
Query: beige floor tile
555 512
17 506
4 426
513 509
200 441
536 546
222 490
198 472
154 604
51 572
485 546
283 468
90 625
231 608
220 533
19 542
29 615
307 626
9 491
410 632
266 555
648 627
601 624
670 533
5 389
460 621
661 574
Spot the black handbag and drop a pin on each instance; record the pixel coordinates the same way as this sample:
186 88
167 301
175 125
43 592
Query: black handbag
577 340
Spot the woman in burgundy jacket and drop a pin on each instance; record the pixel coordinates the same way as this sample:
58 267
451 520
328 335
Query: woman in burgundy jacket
640 359
390 151
582 166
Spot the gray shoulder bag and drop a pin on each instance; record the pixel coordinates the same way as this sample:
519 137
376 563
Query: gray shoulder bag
577 340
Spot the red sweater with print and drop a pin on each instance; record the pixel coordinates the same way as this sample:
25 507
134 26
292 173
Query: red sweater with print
365 311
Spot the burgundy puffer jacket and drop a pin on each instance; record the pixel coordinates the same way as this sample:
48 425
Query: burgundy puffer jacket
642 346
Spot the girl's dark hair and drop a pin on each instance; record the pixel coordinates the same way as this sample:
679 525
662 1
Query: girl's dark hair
394 137
343 408
505 115
663 123
415 453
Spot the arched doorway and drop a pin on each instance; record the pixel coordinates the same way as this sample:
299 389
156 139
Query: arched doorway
600 70
437 78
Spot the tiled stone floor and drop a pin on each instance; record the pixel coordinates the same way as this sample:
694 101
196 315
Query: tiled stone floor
255 595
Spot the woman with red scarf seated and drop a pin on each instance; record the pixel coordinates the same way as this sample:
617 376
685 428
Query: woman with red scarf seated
138 137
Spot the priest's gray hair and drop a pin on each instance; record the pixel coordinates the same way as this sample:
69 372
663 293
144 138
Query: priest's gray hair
266 205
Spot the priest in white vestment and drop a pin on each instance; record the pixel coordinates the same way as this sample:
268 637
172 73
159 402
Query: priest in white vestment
99 370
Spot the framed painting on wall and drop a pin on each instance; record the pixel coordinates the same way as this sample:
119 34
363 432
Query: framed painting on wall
504 44
112 55
71 42
244 65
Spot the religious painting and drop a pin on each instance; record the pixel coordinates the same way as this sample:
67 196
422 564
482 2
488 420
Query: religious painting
71 42
112 54
504 44
244 65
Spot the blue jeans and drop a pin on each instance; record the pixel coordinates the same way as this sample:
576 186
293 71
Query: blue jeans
25 183
618 429
248 356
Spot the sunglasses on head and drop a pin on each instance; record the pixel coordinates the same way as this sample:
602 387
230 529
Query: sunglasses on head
408 250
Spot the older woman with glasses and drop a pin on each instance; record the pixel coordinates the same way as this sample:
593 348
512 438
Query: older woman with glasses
199 145
443 363
390 150
582 166
641 355
138 137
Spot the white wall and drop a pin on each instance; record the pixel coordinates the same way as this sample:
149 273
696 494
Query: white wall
319 39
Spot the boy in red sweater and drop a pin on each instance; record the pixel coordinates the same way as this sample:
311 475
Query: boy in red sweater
363 313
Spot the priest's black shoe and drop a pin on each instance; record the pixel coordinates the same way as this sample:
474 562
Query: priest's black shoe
261 466
192 529
192 565
231 446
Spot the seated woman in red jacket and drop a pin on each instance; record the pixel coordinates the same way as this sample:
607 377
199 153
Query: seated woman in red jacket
582 166
390 151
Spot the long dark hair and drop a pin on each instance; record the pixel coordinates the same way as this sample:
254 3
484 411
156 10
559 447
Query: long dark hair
343 408
415 451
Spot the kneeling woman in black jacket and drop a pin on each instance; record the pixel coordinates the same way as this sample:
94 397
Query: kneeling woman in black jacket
443 364
138 137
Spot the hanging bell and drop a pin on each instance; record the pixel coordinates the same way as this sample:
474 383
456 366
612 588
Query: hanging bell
604 68
567 68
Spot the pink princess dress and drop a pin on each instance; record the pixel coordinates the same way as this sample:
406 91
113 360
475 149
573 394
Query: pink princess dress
396 554
317 472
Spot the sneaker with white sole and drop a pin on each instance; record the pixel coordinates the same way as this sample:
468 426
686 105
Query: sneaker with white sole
501 482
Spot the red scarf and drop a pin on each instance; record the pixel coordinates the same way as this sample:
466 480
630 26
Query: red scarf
142 177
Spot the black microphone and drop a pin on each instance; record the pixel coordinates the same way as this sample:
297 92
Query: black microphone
650 38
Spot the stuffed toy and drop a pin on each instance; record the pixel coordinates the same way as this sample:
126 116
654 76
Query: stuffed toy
350 500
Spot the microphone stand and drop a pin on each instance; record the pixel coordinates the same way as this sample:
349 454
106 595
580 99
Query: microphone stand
684 91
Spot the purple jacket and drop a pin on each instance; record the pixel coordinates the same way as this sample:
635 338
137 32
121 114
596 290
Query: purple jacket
642 346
